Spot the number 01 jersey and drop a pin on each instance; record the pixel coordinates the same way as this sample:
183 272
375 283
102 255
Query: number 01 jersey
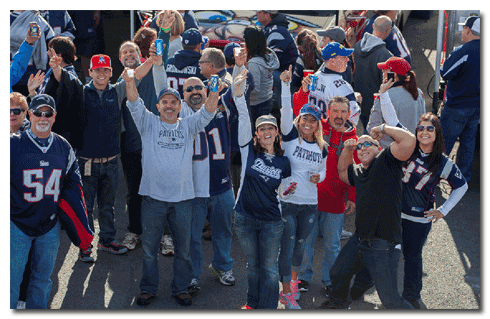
419 188
37 176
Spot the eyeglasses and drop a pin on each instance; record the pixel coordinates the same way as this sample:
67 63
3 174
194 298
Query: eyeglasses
191 88
430 128
365 144
47 114
16 111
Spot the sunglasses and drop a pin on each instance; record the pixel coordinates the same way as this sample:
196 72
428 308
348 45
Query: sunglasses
365 144
16 111
191 88
47 114
430 128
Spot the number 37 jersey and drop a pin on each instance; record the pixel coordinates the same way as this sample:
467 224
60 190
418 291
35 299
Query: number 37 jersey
37 175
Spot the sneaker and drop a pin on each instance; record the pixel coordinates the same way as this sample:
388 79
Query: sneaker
86 256
113 247
294 289
288 301
194 287
183 299
303 286
225 277
356 293
167 245
416 304
345 234
246 307
327 291
207 233
131 241
21 304
145 298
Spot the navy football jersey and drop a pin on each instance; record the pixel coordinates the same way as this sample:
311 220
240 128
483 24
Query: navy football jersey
37 175
419 188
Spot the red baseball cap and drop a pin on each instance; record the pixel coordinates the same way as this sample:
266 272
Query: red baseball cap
398 65
100 61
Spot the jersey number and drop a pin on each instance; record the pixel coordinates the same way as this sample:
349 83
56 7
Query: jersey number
52 186
201 146
408 173
320 103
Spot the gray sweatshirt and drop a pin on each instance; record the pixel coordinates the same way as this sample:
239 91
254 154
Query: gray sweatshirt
262 69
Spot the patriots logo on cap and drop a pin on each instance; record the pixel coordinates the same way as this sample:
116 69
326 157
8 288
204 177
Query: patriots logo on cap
101 60
186 41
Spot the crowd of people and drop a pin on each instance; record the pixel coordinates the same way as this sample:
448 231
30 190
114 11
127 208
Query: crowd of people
193 130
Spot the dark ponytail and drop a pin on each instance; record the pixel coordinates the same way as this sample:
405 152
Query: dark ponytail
411 84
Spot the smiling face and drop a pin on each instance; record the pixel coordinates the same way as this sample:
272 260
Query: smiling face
16 120
307 126
41 126
367 154
195 98
169 108
129 55
266 133
425 137
101 77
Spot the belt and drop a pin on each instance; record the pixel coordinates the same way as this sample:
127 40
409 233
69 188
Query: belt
99 160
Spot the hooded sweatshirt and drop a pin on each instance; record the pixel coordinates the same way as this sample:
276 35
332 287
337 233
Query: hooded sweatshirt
183 65
368 52
262 69
280 40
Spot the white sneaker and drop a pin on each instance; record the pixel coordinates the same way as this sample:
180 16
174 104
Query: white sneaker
345 234
167 245
131 241
294 289
21 304
288 301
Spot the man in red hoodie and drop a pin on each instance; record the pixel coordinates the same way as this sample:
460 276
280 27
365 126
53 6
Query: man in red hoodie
332 191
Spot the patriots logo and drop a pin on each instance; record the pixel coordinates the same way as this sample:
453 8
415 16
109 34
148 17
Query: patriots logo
268 157
101 60
266 179
43 163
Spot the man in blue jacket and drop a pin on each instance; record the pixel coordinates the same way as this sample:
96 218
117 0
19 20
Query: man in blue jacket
461 113
20 60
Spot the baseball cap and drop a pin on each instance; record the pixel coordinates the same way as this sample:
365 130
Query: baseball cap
191 37
100 61
169 91
228 49
396 64
265 119
312 110
332 49
41 100
335 33
473 23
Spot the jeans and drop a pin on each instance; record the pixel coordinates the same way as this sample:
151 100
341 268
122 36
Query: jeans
131 164
379 256
299 221
43 259
462 123
260 241
331 227
101 183
219 210
414 237
154 216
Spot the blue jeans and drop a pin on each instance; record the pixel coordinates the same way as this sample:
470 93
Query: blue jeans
131 164
219 209
299 221
462 123
379 256
331 227
260 241
101 184
154 216
44 252
414 237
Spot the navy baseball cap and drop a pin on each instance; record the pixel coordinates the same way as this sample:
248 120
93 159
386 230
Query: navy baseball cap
473 23
332 49
169 91
41 100
191 37
228 49
311 109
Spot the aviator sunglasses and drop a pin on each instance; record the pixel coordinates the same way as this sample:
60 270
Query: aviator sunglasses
47 114
365 144
16 111
191 88
430 128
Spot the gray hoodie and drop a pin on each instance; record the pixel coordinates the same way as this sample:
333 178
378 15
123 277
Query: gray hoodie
262 69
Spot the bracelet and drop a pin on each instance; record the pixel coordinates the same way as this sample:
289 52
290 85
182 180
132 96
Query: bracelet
166 30
383 128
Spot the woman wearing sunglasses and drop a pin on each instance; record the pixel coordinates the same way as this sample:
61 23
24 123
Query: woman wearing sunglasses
18 112
258 222
306 150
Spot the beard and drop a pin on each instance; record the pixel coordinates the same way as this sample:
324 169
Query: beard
195 100
43 127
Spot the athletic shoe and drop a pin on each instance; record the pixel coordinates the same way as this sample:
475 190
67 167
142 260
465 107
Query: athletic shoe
86 256
167 245
303 286
416 304
21 304
193 287
131 241
294 289
225 277
145 298
183 299
345 234
246 307
113 247
288 301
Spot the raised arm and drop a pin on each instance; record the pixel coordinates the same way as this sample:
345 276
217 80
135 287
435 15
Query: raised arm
244 126
346 159
404 141
287 115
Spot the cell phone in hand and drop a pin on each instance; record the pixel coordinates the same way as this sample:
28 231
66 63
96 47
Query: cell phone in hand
288 190
391 75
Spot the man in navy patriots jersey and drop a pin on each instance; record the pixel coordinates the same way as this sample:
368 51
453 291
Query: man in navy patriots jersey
41 164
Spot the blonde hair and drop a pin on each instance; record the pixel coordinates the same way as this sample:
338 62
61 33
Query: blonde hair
18 99
318 135
178 27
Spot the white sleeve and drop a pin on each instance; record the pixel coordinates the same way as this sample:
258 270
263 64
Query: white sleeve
453 199
244 125
389 114
287 115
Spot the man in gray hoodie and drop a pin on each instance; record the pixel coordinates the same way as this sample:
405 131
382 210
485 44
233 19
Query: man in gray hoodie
368 52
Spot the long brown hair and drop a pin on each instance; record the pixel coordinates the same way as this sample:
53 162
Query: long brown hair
411 84
278 151
310 50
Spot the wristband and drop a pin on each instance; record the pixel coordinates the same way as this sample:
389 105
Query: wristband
166 30
383 128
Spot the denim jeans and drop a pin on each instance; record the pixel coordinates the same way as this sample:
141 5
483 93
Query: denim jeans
462 123
331 227
154 216
379 256
299 221
44 252
131 164
414 237
260 241
102 183
219 210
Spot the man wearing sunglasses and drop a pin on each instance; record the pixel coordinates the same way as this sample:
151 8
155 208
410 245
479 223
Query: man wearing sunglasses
378 182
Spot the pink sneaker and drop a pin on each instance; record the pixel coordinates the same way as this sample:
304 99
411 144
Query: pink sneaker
288 301
294 289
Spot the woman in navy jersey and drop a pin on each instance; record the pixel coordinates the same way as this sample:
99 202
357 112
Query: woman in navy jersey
306 150
258 220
